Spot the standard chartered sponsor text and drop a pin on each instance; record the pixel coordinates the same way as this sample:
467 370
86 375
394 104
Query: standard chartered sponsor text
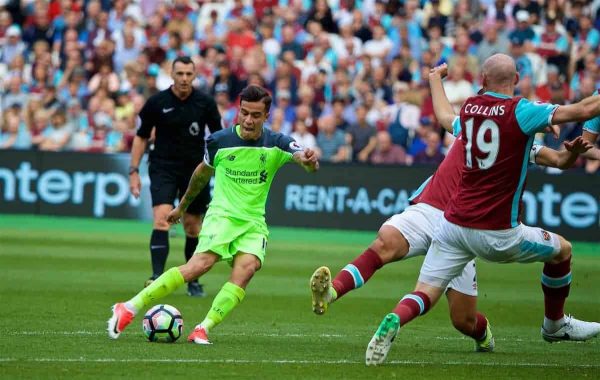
244 177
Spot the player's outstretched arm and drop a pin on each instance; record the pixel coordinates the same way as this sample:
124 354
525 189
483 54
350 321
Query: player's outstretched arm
594 153
583 110
563 159
307 159
199 180
442 108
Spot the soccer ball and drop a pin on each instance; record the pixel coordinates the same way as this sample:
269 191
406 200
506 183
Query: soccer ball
163 323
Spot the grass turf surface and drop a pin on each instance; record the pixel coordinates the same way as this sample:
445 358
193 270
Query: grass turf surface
60 276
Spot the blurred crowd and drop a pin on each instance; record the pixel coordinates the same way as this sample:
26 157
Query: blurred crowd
348 78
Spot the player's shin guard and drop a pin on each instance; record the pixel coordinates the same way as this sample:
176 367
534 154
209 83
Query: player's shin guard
556 282
162 286
159 250
225 301
357 273
411 306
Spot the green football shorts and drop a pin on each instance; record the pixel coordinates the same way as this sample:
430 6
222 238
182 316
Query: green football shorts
226 236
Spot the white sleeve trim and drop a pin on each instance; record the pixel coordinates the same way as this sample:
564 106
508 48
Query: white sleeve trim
535 150
552 116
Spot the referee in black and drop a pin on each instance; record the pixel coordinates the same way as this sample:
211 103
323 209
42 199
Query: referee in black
179 116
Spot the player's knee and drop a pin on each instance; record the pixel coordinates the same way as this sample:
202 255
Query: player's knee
250 267
191 224
390 245
196 266
161 224
191 229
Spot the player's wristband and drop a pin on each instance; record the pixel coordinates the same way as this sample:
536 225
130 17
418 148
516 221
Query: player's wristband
133 169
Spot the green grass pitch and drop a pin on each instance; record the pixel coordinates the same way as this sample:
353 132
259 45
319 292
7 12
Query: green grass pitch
59 277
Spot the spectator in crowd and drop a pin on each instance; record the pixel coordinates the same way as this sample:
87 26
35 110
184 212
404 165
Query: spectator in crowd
543 91
388 153
432 153
493 42
457 88
14 134
331 142
303 136
13 45
226 77
329 56
361 135
15 94
58 133
523 31
289 43
518 51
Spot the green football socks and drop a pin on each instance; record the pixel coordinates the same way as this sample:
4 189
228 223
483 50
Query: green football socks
228 298
162 286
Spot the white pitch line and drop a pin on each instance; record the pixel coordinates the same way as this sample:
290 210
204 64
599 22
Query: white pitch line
297 362
258 334
84 333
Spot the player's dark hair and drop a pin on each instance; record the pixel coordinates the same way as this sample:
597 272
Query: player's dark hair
183 59
253 93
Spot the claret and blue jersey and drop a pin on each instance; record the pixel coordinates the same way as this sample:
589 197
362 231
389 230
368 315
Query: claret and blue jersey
497 136
593 125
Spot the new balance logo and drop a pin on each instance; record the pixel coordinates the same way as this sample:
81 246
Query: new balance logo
231 157
167 110
263 176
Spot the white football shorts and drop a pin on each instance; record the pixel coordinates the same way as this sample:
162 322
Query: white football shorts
454 246
417 224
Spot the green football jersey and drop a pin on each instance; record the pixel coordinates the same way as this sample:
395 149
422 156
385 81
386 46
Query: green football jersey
244 170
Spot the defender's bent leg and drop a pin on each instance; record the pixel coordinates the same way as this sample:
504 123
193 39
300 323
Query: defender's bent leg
466 319
412 305
390 245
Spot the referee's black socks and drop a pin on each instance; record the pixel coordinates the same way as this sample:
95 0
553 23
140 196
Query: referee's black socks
190 246
159 250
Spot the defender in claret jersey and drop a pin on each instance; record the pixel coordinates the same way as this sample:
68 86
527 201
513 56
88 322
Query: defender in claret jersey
244 159
482 218
409 234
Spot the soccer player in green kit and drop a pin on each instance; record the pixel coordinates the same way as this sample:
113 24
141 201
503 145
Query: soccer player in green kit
244 160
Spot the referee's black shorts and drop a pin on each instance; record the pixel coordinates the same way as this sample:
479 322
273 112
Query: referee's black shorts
169 180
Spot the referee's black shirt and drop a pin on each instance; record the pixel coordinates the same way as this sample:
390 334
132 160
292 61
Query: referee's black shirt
179 125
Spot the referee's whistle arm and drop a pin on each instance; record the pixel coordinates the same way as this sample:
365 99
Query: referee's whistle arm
135 185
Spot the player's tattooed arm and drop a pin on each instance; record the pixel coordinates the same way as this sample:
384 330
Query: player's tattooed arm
444 113
199 180
307 159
